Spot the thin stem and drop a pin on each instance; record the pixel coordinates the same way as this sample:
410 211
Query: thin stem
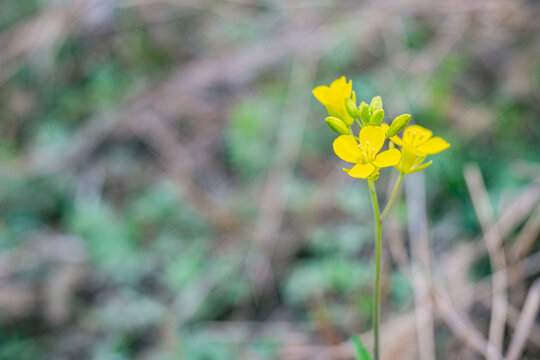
377 290
392 197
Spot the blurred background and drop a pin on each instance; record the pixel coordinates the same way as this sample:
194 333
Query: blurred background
168 188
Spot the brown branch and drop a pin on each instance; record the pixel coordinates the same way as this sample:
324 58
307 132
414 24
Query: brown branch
525 323
493 240
420 258
527 237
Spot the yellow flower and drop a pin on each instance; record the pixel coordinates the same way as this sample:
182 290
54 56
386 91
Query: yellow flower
416 144
365 154
333 98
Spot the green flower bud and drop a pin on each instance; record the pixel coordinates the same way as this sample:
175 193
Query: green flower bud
376 103
376 118
363 112
336 125
350 106
399 124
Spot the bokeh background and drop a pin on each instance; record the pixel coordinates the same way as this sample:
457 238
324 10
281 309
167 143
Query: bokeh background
168 188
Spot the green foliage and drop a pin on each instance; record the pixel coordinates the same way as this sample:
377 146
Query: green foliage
15 11
249 136
230 287
202 345
402 291
106 85
360 350
110 350
19 346
111 245
129 311
27 204
418 34
332 275
160 209
442 87
341 240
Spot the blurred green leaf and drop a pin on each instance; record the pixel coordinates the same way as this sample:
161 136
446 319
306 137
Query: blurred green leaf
249 136
20 347
360 351
109 240
130 311
310 278
402 291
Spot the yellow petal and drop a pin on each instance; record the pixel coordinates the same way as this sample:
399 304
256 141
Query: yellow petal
322 94
372 138
397 140
340 113
419 168
361 171
333 111
349 89
339 82
346 147
408 160
343 91
385 127
416 135
387 158
434 145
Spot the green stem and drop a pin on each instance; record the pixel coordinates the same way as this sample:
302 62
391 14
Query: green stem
377 290
392 197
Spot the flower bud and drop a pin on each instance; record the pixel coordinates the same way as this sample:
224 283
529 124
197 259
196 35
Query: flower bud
399 124
336 125
350 106
376 118
376 103
363 112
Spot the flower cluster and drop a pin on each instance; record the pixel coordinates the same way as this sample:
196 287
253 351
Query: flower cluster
364 150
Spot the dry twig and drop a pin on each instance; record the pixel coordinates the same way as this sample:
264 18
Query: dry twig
420 257
525 323
493 239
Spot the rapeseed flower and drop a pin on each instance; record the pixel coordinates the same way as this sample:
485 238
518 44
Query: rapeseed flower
417 143
365 153
334 98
